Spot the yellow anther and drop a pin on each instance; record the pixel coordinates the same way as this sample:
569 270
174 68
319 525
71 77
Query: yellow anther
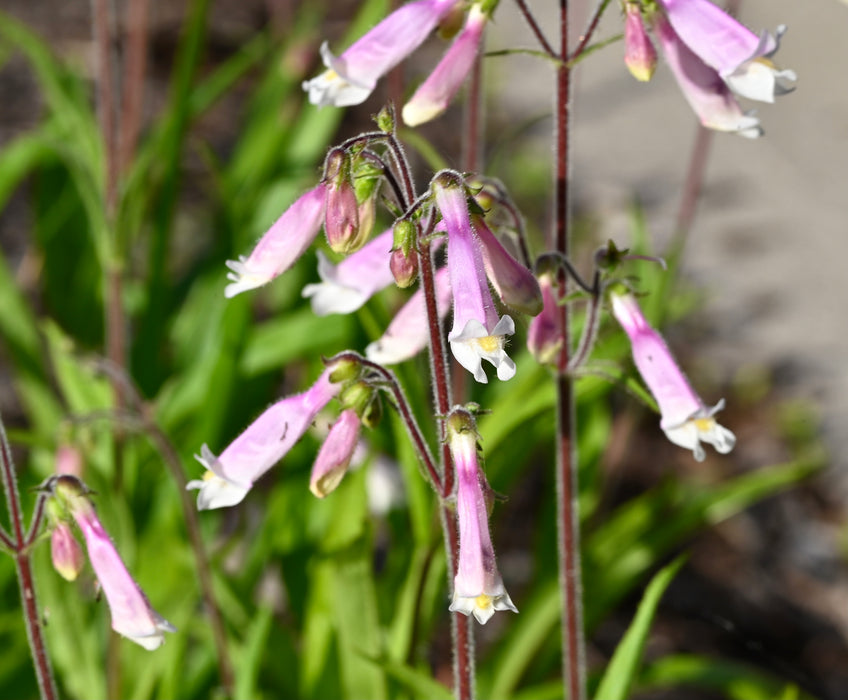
483 601
704 425
490 343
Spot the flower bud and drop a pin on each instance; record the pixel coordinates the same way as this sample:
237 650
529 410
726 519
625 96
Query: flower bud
344 370
66 552
545 334
404 260
334 456
640 56
341 217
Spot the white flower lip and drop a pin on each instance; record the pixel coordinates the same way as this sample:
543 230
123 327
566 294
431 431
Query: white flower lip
216 490
475 344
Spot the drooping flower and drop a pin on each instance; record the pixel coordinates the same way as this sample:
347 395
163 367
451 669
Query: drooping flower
345 287
281 246
478 334
408 333
515 284
478 587
335 454
686 420
702 86
545 333
132 615
640 56
436 92
264 443
740 57
351 77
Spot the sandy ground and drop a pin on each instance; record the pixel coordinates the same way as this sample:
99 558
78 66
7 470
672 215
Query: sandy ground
770 240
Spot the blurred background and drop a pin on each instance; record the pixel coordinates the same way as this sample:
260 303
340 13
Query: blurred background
753 310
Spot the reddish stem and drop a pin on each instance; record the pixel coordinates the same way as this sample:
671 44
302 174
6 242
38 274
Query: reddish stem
32 620
574 672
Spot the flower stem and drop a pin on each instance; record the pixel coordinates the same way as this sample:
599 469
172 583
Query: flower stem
463 641
536 29
37 646
586 37
574 671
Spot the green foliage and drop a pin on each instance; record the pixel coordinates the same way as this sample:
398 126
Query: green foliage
318 598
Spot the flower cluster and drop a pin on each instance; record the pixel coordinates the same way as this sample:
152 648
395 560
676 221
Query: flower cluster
350 78
713 57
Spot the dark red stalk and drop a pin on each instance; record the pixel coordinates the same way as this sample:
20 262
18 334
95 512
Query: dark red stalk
20 545
574 672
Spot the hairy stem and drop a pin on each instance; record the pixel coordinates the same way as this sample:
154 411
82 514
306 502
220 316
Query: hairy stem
23 567
586 37
536 29
574 671
463 643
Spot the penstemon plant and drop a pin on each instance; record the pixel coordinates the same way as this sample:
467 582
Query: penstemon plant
475 281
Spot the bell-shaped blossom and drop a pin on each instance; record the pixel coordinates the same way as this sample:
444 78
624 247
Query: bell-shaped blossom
640 56
685 419
132 615
478 334
740 57
436 92
351 77
335 454
281 246
702 86
345 287
545 334
408 333
477 588
515 284
264 443
66 552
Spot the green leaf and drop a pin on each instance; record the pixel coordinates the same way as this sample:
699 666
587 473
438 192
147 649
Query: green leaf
624 665
420 683
733 680
300 334
249 659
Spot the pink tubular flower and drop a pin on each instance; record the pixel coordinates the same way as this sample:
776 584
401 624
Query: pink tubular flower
545 334
702 86
477 588
435 93
640 56
351 77
264 443
347 286
515 284
740 57
335 454
281 246
477 332
132 615
685 419
407 334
